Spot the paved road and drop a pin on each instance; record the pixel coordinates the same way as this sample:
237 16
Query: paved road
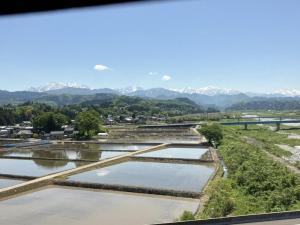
277 222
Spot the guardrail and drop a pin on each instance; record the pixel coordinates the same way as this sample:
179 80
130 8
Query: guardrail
260 122
241 219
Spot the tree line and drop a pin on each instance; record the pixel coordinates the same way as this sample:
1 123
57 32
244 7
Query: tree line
87 117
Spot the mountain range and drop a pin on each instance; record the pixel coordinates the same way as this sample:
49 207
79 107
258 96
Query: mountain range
209 96
72 93
74 88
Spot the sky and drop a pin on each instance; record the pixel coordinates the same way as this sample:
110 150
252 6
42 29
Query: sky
249 45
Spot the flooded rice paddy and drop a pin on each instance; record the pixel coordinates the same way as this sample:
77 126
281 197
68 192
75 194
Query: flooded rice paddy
67 206
177 153
52 205
154 135
90 152
36 167
134 147
62 154
90 146
8 182
97 147
170 176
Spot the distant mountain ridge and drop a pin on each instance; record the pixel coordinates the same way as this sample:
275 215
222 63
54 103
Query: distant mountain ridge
56 86
61 94
281 103
74 88
7 97
209 90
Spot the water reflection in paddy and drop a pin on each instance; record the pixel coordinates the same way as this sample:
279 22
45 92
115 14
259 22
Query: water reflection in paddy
66 206
61 154
124 146
16 152
34 167
79 146
186 153
105 155
94 147
9 182
182 177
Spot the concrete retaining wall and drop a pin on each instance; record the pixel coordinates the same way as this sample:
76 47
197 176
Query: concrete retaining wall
124 188
170 160
23 187
19 177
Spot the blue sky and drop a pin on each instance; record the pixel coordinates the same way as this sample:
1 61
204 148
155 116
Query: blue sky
251 45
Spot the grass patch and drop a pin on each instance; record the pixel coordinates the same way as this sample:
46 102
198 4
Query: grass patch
268 139
256 184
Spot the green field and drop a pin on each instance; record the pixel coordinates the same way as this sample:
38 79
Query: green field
256 183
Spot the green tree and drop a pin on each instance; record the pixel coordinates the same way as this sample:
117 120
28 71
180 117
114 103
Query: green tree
50 121
7 116
213 133
88 123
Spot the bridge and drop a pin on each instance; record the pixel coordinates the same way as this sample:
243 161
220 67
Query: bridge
294 117
237 123
246 123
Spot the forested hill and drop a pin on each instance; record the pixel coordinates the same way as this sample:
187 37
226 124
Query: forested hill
104 104
176 106
166 100
146 106
19 96
267 104
78 95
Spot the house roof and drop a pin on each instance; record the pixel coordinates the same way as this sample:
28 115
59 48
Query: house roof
69 129
29 132
57 133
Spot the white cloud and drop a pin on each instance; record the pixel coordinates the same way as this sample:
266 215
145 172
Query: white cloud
166 77
100 67
152 73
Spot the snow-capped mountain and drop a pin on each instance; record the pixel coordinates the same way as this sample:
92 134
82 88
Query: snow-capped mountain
74 88
128 90
209 90
212 91
287 92
205 96
56 86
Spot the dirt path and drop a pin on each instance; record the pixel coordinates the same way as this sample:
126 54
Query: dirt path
257 143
